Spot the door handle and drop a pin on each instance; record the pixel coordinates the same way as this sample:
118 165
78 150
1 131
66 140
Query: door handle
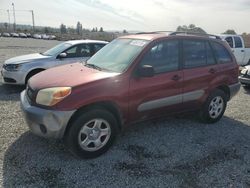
242 50
212 71
176 77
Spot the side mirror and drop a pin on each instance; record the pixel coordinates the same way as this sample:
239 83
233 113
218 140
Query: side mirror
146 71
62 55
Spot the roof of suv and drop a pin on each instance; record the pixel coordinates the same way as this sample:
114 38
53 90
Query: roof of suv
73 42
156 35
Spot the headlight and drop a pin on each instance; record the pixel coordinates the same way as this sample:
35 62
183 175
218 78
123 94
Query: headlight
12 67
244 71
52 96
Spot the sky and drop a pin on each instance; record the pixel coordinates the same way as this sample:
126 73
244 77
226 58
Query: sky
214 16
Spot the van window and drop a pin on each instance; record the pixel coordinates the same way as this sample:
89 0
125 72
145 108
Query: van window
230 41
221 53
163 57
238 43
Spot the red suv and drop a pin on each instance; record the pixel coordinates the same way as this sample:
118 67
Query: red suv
133 78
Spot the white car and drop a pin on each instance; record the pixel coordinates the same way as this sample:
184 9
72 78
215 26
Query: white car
6 35
22 35
19 69
37 36
237 44
244 77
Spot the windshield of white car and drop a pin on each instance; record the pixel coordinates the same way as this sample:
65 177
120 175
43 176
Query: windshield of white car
57 49
117 55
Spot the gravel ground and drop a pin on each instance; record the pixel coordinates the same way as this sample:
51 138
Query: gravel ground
171 152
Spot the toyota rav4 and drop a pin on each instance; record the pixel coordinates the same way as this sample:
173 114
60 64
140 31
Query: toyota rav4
134 78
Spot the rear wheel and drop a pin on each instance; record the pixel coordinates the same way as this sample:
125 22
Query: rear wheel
214 107
92 133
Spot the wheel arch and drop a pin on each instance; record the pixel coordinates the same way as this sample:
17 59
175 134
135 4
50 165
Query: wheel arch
33 72
107 105
226 90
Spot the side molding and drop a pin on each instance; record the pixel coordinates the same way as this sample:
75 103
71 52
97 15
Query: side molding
172 100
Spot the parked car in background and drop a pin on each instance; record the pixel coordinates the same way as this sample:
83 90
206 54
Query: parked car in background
245 76
237 44
44 36
52 37
28 35
22 35
133 78
19 69
14 35
6 35
37 36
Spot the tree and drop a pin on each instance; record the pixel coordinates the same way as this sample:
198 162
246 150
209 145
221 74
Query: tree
101 29
191 28
63 28
46 30
79 28
124 31
6 25
230 32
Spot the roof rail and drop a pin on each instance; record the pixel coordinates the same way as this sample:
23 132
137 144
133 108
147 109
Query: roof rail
194 33
154 32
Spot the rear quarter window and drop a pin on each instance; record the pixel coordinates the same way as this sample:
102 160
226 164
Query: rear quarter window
221 53
238 43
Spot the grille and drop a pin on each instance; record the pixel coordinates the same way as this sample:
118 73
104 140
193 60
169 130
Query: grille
30 93
9 80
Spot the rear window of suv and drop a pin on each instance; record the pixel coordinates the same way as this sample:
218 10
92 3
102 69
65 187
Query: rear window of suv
221 53
197 53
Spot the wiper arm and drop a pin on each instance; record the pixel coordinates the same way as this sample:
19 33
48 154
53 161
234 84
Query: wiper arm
93 66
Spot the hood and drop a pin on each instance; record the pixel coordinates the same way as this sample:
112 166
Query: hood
25 58
68 75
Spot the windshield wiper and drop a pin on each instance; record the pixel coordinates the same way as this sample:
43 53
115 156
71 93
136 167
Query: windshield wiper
93 66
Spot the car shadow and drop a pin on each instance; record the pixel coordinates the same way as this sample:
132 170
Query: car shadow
10 92
246 90
182 147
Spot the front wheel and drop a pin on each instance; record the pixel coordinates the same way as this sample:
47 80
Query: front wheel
214 107
92 133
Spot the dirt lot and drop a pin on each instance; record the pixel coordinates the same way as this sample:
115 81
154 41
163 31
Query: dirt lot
171 152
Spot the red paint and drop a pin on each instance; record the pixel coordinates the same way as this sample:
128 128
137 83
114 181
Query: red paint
128 91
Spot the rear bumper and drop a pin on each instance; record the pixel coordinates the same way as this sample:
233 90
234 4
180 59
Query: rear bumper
244 80
45 123
234 89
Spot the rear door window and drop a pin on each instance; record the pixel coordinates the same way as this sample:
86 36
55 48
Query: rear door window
97 47
194 52
230 41
238 42
221 53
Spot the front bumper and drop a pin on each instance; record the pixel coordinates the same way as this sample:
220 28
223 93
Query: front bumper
45 123
17 77
244 80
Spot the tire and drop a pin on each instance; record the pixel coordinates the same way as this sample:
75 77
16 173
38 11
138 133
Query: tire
214 107
91 134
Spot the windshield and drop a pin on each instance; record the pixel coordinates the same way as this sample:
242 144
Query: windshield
117 55
57 49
